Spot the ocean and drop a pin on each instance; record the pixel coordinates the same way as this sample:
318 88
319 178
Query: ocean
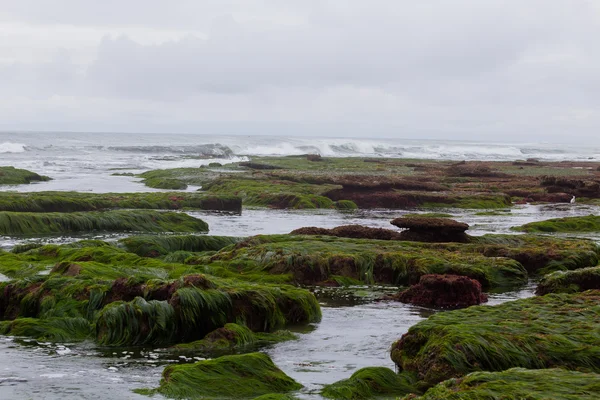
354 333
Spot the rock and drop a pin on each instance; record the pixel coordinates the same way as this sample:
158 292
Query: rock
445 291
351 231
431 229
314 157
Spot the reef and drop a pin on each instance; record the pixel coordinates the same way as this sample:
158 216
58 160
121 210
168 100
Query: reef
569 281
443 291
590 223
517 383
97 291
16 176
75 201
556 330
430 229
29 224
300 182
495 261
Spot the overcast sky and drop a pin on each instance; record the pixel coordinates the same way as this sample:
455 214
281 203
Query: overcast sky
466 69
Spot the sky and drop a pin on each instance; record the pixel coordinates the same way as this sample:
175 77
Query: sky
451 69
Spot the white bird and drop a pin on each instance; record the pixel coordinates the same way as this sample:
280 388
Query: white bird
573 200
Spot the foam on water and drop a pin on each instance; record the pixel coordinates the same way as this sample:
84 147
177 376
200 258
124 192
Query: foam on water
9 147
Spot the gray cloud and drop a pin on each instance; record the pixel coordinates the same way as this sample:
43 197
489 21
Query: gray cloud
402 68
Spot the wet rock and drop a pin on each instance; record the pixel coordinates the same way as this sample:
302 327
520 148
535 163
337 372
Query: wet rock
429 229
445 291
314 157
351 231
575 187
254 165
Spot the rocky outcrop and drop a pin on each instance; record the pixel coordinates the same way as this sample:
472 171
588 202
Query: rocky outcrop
444 291
351 231
427 229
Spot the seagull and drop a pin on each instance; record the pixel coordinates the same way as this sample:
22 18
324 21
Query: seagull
573 200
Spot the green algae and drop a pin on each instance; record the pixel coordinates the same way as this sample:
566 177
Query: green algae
228 377
570 281
312 259
74 201
27 224
233 337
154 246
161 183
371 382
590 223
518 383
16 176
345 205
50 329
536 333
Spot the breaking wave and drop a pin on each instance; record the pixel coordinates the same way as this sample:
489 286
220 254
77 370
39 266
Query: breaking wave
10 147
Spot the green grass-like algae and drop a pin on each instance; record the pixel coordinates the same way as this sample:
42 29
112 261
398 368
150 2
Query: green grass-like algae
518 383
371 382
570 281
16 176
556 330
228 377
590 223
23 224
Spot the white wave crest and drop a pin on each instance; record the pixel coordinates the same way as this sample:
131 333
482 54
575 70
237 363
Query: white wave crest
9 147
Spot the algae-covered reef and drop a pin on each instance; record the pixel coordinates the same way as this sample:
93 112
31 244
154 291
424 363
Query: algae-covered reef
371 382
29 224
495 261
16 176
300 182
556 330
229 377
570 281
590 223
156 246
75 201
518 383
94 290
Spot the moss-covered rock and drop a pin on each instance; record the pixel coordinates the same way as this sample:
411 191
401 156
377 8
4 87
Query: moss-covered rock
234 337
570 281
155 246
371 382
28 224
229 377
590 223
518 383
15 176
540 332
74 201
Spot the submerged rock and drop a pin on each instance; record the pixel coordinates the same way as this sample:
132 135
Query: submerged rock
432 229
445 291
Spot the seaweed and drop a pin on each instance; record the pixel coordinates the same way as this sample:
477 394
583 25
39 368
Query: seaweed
570 281
518 383
590 223
16 176
556 330
227 377
23 224
371 382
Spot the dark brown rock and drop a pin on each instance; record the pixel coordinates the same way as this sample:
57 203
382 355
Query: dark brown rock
425 229
444 291
351 231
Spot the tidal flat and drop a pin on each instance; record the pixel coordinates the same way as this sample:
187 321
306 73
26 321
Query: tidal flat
279 278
